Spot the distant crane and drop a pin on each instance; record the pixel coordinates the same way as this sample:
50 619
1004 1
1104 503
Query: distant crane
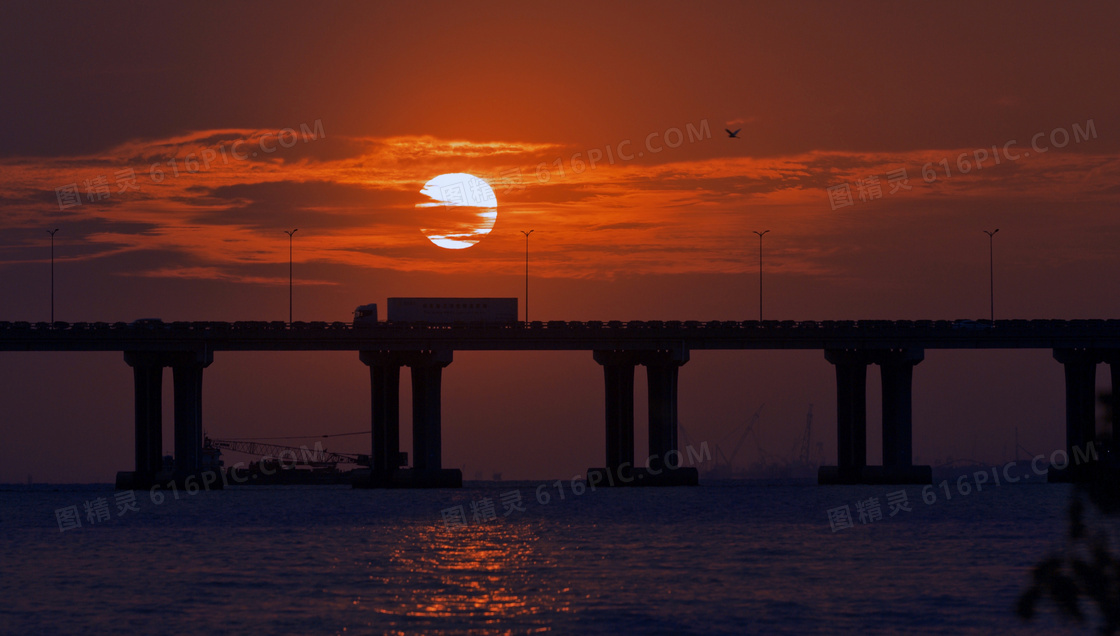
807 441
743 438
684 434
1019 446
300 456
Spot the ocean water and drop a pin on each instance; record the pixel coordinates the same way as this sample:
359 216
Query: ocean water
724 558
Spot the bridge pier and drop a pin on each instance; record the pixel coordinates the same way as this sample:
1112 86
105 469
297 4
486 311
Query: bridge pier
896 370
427 373
618 376
386 459
1080 367
147 370
662 368
1112 358
385 400
851 413
147 380
186 370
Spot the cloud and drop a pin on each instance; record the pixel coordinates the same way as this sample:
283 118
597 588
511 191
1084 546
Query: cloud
354 199
318 204
219 274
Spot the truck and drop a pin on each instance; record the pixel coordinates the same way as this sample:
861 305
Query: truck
450 310
365 315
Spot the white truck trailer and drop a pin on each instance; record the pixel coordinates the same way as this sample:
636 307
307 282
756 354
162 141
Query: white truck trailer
449 310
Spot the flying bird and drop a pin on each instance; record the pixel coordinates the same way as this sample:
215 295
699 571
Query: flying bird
733 135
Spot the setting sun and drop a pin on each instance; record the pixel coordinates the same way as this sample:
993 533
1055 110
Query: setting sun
461 211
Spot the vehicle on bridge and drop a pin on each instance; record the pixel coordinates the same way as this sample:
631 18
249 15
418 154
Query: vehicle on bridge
446 310
365 315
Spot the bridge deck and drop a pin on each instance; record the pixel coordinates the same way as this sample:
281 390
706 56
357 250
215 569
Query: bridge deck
561 335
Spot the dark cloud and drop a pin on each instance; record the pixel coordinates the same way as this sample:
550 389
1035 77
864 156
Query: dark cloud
303 143
556 192
72 242
321 204
635 225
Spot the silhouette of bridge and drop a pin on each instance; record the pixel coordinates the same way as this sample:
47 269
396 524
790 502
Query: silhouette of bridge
662 347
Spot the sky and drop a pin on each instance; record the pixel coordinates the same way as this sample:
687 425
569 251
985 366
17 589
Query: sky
173 145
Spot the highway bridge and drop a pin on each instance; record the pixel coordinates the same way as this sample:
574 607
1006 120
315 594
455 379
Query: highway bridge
662 347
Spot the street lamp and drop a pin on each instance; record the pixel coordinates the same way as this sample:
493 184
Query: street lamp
290 273
526 274
760 235
52 233
992 273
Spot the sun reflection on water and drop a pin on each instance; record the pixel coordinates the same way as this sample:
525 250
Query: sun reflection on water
480 575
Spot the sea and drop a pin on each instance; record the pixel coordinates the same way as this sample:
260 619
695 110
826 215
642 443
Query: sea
528 557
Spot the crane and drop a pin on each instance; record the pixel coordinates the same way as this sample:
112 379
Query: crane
300 456
743 438
806 444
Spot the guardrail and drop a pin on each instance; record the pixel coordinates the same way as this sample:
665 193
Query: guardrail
590 325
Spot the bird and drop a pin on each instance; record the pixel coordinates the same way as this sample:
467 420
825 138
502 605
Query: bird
733 135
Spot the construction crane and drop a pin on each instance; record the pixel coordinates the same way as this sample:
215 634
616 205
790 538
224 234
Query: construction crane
807 442
304 456
743 438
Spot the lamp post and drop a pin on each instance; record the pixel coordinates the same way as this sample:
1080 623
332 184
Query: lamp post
52 233
760 235
526 274
290 234
992 273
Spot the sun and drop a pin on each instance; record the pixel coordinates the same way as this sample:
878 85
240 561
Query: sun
460 211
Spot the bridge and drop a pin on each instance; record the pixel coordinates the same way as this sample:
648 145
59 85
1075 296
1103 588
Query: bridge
662 347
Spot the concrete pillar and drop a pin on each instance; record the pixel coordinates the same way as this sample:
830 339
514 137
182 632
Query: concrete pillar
385 398
1114 368
662 368
851 406
1081 384
618 376
897 370
427 369
186 369
147 376
1112 358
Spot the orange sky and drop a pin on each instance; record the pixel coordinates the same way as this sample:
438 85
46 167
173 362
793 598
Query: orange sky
379 99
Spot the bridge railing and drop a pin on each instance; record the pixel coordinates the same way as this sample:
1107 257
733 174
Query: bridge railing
1009 327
